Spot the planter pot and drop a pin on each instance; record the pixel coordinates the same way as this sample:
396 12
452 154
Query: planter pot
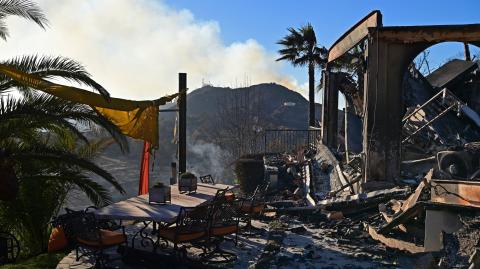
159 195
187 184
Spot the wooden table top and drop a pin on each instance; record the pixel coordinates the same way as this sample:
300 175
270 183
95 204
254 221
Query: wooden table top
138 209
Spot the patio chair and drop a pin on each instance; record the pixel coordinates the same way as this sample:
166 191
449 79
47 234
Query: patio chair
223 222
252 206
9 248
190 227
208 179
223 195
86 235
105 224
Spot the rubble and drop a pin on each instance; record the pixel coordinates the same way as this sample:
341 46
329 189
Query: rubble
406 175
429 145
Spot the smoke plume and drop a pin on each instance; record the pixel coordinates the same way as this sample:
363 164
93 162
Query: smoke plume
135 49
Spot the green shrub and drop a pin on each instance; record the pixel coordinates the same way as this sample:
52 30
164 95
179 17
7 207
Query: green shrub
44 261
250 173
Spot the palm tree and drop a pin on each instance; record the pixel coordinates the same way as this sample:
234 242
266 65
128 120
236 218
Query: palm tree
41 138
44 67
300 48
30 131
33 114
52 159
43 148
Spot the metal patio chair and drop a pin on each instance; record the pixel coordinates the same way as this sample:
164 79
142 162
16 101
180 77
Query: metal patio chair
191 227
9 248
252 206
223 195
224 221
208 179
88 236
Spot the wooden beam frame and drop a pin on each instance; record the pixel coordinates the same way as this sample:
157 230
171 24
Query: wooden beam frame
469 33
395 243
354 35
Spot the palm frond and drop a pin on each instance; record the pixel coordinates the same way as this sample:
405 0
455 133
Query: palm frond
45 111
33 116
22 8
50 67
302 60
3 28
92 149
300 47
95 192
42 153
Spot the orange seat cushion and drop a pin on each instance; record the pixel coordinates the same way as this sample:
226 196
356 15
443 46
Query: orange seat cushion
107 238
229 196
58 240
223 230
170 232
252 209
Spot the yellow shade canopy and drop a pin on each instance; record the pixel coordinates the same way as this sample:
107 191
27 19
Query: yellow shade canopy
137 119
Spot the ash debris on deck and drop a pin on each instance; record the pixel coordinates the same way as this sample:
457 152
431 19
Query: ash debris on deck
398 185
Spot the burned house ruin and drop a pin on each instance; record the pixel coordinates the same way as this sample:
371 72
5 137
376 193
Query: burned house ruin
400 109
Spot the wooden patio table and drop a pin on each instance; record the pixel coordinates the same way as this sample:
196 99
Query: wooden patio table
139 209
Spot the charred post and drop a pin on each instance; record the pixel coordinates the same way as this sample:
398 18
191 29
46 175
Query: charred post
330 107
182 123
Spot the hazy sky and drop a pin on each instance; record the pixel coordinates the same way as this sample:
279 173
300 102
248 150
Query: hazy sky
135 48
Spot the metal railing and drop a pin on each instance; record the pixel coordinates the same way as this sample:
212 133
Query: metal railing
435 108
281 140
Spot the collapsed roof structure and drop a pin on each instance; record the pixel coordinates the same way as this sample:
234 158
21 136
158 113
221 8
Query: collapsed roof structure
417 131
396 104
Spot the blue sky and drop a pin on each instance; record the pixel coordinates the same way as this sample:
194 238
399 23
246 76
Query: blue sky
266 21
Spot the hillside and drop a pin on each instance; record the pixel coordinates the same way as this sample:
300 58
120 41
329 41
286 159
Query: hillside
265 104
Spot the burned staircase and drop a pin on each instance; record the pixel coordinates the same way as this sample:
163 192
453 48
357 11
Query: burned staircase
422 117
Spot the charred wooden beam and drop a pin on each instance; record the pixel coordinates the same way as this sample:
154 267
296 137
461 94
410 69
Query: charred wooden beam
354 35
466 49
382 123
182 123
330 109
395 243
469 33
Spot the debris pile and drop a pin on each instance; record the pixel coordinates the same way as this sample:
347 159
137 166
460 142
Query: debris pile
403 171
431 212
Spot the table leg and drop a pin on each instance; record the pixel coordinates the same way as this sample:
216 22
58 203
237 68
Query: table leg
144 235
148 238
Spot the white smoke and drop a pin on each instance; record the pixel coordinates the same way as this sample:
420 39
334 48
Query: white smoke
208 158
135 49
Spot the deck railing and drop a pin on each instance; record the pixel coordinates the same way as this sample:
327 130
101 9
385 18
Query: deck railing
280 140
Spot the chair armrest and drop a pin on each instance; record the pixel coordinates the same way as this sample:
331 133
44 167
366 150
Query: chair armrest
89 208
